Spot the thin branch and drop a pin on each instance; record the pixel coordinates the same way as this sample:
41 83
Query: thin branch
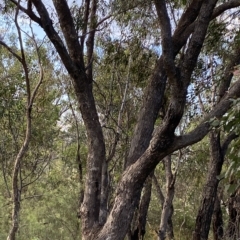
197 39
119 121
204 127
41 75
85 22
159 191
11 51
91 37
33 196
225 6
187 24
38 176
28 11
47 25
230 137
78 156
16 190
188 17
69 31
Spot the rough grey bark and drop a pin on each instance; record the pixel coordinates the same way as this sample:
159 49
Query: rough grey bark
154 93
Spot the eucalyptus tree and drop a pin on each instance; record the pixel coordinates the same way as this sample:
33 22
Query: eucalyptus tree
73 29
22 64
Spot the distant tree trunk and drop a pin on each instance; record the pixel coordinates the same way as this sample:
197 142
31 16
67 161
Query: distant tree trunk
170 233
205 212
232 218
104 194
137 230
140 229
167 209
234 215
144 205
217 221
31 95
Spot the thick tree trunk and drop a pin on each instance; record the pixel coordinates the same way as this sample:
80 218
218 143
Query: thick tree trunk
205 212
217 220
72 57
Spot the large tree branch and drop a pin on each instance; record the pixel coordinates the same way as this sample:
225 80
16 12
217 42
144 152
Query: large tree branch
73 62
225 6
47 25
188 17
197 39
11 51
152 102
153 97
85 22
185 28
234 60
204 127
167 46
155 90
91 36
133 178
230 137
69 32
28 11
